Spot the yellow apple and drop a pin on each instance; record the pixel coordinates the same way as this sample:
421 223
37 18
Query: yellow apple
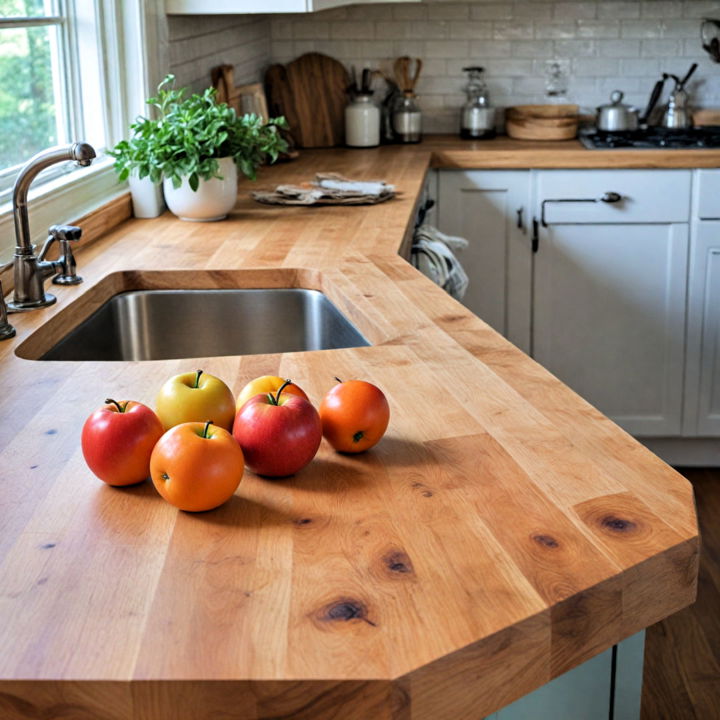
195 397
266 384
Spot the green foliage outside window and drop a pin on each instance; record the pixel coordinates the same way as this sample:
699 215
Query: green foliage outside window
27 105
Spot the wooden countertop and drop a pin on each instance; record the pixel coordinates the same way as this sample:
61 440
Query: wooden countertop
449 151
503 532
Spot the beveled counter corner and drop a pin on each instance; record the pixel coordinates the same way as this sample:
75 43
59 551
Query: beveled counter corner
503 532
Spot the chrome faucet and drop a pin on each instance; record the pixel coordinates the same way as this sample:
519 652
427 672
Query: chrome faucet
6 329
30 271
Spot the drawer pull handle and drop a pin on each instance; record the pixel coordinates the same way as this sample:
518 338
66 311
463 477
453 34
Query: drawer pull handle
608 197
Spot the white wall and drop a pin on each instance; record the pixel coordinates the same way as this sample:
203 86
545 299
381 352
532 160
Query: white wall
609 44
196 44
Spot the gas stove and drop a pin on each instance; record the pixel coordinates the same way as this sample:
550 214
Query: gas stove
654 137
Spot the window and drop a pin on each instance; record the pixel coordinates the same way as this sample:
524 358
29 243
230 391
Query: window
69 70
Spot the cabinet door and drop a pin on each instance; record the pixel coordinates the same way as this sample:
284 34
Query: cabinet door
702 394
489 208
609 318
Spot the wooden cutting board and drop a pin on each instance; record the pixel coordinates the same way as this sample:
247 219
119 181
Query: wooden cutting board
311 92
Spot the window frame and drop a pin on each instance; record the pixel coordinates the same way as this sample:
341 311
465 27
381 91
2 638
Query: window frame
121 31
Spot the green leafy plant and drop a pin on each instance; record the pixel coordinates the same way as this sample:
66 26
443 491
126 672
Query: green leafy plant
190 134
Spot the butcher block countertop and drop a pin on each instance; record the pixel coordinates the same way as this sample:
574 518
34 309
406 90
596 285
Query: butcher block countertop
502 532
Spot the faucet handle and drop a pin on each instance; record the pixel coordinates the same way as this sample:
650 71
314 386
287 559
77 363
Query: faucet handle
66 234
6 329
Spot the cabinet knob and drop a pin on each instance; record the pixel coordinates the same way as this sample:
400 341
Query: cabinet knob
611 197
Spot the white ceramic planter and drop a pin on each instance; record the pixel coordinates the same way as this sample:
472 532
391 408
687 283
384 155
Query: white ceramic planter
147 197
213 200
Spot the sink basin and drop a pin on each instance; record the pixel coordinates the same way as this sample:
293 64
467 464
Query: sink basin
168 324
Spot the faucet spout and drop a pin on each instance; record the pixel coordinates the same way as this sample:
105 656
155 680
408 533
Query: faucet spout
81 152
30 271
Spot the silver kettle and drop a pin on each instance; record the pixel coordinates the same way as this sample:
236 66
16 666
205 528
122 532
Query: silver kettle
677 113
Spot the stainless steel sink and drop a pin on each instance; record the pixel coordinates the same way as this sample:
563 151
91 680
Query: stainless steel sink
167 324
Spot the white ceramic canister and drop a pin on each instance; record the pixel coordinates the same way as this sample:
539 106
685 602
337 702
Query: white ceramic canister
362 122
213 199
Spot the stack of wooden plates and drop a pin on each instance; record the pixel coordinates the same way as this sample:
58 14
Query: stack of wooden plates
542 122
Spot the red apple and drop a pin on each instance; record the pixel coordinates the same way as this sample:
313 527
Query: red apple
279 433
118 439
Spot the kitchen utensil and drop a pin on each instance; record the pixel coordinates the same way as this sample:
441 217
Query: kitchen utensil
404 75
652 102
542 122
710 36
616 116
677 113
477 120
311 94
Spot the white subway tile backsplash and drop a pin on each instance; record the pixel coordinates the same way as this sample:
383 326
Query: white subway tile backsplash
556 30
595 67
447 48
660 9
642 29
618 48
598 28
660 48
533 49
352 30
618 10
575 10
491 11
449 11
609 44
470 30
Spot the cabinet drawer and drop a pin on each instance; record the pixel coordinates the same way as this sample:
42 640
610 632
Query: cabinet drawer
661 196
709 194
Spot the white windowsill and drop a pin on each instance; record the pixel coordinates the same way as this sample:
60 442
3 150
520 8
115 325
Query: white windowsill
62 200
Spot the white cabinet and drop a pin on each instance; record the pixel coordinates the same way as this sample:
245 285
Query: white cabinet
490 209
237 7
609 295
702 386
609 318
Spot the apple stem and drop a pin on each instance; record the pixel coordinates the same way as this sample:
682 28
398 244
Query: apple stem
110 401
197 378
338 379
205 429
275 399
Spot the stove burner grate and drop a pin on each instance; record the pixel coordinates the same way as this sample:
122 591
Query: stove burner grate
692 138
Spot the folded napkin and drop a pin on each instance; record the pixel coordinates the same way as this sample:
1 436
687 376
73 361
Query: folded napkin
328 189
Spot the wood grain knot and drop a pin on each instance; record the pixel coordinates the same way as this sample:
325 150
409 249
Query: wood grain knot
424 489
303 521
616 524
345 610
398 561
545 540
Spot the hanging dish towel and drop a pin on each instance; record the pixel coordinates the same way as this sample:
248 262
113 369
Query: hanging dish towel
432 254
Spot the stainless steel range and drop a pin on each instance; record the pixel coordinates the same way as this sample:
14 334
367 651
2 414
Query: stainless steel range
654 137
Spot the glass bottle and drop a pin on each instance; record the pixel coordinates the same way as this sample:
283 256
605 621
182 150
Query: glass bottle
407 119
478 118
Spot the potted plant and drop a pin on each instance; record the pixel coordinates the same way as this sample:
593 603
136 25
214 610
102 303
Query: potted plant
195 147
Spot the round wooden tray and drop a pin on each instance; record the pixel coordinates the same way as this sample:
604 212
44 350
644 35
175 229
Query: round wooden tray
542 122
